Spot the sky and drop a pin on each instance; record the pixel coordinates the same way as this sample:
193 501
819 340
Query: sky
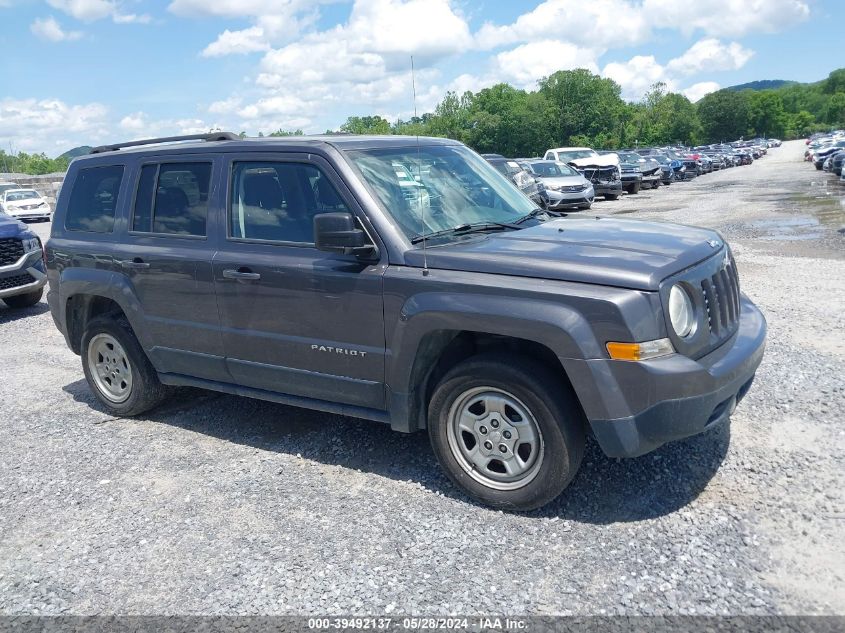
87 72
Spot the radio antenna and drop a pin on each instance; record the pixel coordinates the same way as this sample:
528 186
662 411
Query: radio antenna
419 184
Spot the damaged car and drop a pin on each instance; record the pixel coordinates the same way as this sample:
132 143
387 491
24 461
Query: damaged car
602 171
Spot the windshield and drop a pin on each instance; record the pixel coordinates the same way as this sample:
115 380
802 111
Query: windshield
456 187
21 195
552 170
629 157
575 154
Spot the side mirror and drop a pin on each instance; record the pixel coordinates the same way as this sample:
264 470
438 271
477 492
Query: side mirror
337 233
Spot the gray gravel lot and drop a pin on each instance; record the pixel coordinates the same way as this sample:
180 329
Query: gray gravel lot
222 505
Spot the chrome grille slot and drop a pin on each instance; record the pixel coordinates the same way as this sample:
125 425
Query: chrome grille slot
721 299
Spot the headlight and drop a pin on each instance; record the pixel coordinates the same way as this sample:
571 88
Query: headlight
681 312
31 244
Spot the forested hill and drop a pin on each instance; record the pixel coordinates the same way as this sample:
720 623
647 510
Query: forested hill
763 84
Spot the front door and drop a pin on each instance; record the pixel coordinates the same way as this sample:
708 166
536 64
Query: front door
296 320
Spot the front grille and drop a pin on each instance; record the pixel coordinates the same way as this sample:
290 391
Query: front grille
7 283
11 250
721 299
713 286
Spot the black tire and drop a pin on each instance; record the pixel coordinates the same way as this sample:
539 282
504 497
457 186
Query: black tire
632 189
547 399
24 301
611 196
146 390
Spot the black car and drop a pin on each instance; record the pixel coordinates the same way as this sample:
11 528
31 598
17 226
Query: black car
297 270
22 272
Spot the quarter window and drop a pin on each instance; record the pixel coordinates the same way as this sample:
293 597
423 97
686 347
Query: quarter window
278 201
93 199
172 198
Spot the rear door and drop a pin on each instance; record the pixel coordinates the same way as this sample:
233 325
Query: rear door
166 254
296 320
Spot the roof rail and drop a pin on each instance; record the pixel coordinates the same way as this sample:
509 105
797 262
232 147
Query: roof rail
213 136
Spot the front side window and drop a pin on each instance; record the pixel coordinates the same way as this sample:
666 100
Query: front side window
172 198
451 186
278 201
93 199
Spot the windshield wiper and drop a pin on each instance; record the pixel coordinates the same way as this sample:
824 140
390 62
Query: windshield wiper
535 213
464 229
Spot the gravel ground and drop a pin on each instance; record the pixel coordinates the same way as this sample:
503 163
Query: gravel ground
222 505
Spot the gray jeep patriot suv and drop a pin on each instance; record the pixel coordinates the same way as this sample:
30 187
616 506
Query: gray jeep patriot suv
401 280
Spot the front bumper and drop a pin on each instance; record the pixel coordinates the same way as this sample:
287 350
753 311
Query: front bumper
29 214
635 407
565 199
613 187
25 275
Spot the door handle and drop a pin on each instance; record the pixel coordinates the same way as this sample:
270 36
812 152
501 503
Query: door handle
241 275
135 264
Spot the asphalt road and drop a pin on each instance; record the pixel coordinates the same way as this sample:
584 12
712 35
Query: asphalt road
215 504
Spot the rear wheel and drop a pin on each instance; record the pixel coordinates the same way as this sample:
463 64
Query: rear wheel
506 431
117 369
25 300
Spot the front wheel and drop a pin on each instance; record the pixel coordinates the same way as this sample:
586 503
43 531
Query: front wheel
611 196
506 430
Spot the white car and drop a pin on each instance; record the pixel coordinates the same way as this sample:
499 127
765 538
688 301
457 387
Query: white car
24 204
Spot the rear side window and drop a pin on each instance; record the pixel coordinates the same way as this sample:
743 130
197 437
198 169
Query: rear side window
278 201
172 198
93 199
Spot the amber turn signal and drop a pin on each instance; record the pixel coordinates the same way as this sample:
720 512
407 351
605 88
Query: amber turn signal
640 351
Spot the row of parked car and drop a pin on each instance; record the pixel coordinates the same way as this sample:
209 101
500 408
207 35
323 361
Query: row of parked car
572 177
827 152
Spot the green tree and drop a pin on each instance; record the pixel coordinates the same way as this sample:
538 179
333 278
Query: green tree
583 104
366 125
766 116
835 111
281 132
799 124
509 121
723 115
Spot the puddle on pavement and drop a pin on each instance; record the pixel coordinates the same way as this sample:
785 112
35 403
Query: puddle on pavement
804 215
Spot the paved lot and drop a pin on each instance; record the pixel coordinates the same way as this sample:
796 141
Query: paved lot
216 504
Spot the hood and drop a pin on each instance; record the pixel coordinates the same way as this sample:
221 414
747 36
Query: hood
607 251
604 160
10 227
564 181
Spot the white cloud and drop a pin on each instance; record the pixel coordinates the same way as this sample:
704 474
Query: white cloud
524 65
697 91
93 10
595 24
134 122
39 125
637 75
50 29
727 18
710 55
249 40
